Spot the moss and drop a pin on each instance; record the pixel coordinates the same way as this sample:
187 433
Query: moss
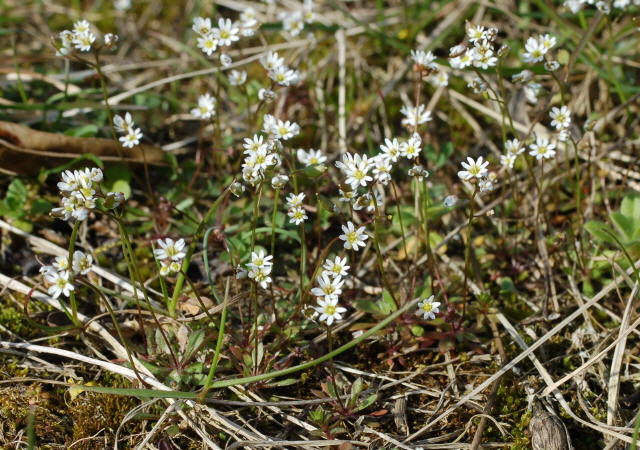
92 413
18 403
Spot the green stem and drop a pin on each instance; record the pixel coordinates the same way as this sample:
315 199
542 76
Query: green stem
72 294
216 355
177 290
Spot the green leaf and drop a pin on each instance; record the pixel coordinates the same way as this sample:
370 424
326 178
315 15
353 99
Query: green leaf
630 207
40 206
625 225
386 303
16 196
600 231
370 400
417 330
368 306
193 344
285 382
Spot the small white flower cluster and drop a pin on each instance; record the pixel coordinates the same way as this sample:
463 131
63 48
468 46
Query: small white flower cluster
482 55
130 134
537 47
224 35
260 268
170 254
329 289
278 71
576 5
78 194
60 273
206 108
79 38
295 208
561 120
477 171
293 21
262 153
436 74
513 149
427 308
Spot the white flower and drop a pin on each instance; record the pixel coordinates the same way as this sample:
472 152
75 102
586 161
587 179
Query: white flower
61 263
336 267
226 33
201 25
248 18
208 44
260 160
356 171
328 287
563 135
169 267
237 78
329 310
450 201
542 148
440 78
428 308
132 138
534 51
411 148
293 23
513 146
508 160
123 124
271 60
561 117
352 237
69 182
260 260
261 276
279 181
225 60
82 262
424 59
391 149
311 157
415 116
295 201
83 41
285 130
59 283
476 33
463 60
297 215
473 169
253 145
170 249
547 41
266 95
531 91
81 26
382 169
283 75
206 107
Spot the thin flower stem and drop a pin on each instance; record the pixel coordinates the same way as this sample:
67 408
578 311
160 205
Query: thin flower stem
320 360
219 341
177 290
376 245
404 239
467 256
118 330
129 255
72 294
332 367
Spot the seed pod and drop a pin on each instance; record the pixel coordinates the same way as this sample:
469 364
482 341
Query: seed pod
547 430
